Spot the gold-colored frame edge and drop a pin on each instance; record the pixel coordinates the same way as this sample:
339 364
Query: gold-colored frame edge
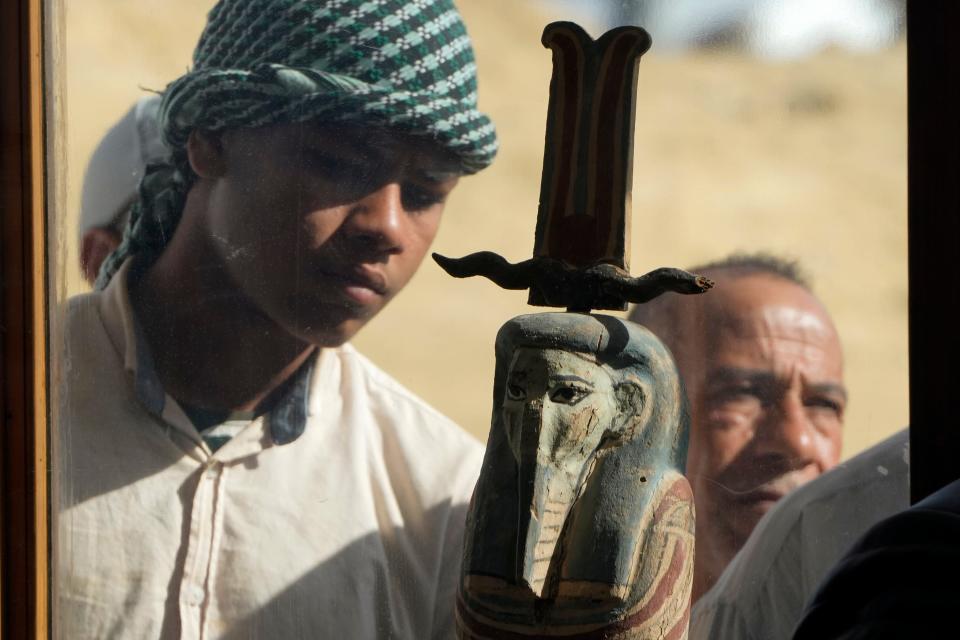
40 313
38 165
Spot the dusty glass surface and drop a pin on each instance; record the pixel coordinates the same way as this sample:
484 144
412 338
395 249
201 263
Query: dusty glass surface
774 126
802 155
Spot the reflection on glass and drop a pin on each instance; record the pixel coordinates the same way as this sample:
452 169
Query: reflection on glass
222 476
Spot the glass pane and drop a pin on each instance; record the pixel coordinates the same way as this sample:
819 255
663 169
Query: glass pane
770 126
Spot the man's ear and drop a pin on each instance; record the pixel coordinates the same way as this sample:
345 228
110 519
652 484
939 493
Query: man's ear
205 152
97 243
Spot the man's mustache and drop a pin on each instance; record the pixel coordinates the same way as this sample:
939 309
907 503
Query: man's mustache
776 481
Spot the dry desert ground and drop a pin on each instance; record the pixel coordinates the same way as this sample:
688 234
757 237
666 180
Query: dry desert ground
804 158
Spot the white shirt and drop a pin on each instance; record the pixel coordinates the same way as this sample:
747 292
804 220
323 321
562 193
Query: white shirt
349 528
763 591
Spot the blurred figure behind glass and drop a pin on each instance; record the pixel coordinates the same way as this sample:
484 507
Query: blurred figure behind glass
111 180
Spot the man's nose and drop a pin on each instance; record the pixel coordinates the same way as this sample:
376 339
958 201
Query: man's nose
376 221
787 433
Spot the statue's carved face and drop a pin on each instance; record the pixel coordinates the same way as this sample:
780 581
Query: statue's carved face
557 404
557 407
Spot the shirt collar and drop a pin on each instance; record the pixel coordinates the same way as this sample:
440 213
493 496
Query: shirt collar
286 421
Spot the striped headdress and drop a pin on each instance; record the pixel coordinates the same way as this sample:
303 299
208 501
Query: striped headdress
403 65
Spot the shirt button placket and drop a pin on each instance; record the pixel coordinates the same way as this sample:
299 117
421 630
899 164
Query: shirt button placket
197 564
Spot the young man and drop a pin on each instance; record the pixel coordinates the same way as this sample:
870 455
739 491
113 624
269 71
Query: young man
230 466
763 370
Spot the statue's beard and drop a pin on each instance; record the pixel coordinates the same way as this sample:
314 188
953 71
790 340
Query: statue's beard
546 494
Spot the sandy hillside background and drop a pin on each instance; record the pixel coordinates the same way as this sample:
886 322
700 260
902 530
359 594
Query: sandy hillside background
804 158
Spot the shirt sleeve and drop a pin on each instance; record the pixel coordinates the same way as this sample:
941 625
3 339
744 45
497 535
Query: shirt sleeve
443 615
718 620
448 580
898 581
759 595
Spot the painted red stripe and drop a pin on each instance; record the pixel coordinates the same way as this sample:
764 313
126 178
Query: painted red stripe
483 631
663 590
607 137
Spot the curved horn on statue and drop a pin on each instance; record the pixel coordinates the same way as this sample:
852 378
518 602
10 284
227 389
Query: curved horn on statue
491 266
648 286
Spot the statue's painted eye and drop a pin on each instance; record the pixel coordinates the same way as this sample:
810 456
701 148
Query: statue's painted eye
568 394
515 392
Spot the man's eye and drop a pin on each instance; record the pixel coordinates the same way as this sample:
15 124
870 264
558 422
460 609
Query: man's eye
734 393
515 392
749 389
335 168
568 395
739 398
825 404
418 198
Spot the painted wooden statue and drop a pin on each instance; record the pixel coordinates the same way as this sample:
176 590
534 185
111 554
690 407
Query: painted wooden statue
582 523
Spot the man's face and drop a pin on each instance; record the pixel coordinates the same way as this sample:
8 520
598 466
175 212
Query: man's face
764 376
319 227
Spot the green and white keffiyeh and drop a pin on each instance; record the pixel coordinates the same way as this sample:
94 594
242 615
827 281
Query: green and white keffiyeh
404 65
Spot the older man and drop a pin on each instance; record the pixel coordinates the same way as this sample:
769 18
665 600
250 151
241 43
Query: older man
110 182
763 369
229 466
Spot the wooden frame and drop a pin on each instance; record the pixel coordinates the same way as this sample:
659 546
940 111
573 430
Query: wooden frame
934 229
23 317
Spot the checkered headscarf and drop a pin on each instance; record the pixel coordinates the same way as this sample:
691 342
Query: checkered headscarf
404 65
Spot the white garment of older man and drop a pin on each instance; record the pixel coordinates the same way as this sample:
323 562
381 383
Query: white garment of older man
762 593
